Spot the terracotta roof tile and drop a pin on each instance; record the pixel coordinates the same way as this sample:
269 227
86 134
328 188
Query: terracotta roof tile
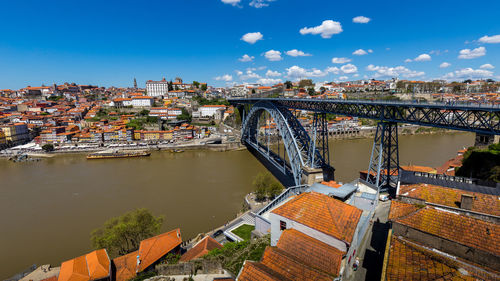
201 248
410 262
255 271
92 266
98 264
465 230
400 209
152 249
74 270
284 264
126 266
323 213
310 251
483 203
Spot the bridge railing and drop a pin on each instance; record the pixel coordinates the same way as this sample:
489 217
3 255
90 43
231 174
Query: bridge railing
293 190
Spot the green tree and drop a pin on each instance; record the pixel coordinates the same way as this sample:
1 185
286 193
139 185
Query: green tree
184 116
196 84
170 86
312 92
48 147
288 84
274 189
266 186
204 87
143 112
123 234
305 83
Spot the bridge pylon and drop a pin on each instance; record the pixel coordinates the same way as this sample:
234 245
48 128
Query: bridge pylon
383 170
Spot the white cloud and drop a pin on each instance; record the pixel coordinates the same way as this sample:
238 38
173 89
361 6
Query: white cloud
349 68
444 65
469 73
269 81
490 39
297 53
370 51
355 75
341 60
343 78
333 69
231 2
408 60
472 54
225 77
361 19
273 55
326 29
249 74
271 73
252 37
423 57
385 71
260 3
359 52
238 72
246 58
487 66
296 72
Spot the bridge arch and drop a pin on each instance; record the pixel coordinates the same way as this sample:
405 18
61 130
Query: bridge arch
299 147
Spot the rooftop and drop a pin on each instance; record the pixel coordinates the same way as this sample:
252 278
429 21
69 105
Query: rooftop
152 249
201 248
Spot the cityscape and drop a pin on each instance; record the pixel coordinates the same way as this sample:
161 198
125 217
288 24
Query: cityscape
249 140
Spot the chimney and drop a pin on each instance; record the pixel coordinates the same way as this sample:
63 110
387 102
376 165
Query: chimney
466 202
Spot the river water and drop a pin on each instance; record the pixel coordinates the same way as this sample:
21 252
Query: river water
49 208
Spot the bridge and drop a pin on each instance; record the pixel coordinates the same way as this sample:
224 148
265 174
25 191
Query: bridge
305 157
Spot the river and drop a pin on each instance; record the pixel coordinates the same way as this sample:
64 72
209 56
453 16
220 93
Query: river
49 208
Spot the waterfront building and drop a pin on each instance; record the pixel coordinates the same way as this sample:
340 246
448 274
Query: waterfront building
95 265
212 111
156 88
16 133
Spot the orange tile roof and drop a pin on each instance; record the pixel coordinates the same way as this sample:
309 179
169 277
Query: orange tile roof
281 262
422 169
152 249
255 271
400 209
92 266
482 203
311 252
322 213
201 248
126 266
410 262
461 229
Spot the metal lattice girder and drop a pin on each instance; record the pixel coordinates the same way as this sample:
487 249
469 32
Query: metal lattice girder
478 118
295 139
384 161
319 152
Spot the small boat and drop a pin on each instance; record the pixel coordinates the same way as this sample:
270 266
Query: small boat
118 154
176 150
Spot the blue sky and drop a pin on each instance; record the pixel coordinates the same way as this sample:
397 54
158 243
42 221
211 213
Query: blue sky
111 42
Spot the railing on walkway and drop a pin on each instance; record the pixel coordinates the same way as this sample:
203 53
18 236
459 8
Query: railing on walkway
293 190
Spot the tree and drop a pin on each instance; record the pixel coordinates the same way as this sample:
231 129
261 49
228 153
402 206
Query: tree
204 87
48 147
184 116
305 83
311 92
123 234
266 186
170 86
144 112
196 84
288 84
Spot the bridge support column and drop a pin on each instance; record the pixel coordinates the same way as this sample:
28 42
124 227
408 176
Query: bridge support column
485 140
384 161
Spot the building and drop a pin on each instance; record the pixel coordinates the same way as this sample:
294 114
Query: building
150 252
156 88
142 101
200 249
212 111
93 266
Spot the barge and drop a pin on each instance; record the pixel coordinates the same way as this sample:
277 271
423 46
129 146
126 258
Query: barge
118 154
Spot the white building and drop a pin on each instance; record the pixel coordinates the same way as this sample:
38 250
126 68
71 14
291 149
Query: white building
212 110
157 88
142 101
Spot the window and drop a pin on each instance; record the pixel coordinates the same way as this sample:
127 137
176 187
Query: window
282 225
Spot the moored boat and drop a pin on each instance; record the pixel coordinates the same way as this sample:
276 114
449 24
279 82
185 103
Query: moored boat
118 154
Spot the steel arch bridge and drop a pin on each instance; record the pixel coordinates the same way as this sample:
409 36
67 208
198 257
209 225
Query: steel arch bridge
305 152
302 151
